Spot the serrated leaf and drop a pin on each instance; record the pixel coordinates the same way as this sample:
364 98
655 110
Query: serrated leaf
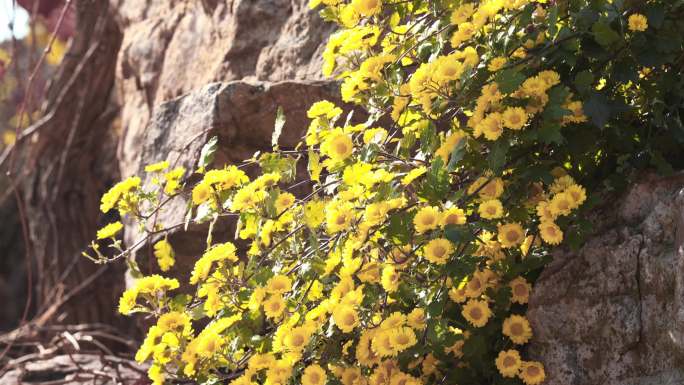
278 127
604 34
550 132
497 155
456 155
207 153
597 108
509 80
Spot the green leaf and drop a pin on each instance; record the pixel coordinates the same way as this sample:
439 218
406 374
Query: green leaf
207 153
550 132
509 80
603 34
497 155
583 81
597 108
456 155
278 128
458 234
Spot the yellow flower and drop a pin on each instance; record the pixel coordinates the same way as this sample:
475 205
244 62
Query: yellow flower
109 231
402 338
274 306
339 217
577 193
475 285
426 219
492 126
510 235
367 7
323 108
476 312
172 179
491 209
637 22
518 329
532 373
164 254
201 193
416 319
438 251
486 188
382 344
128 301
314 213
544 212
520 290
413 174
314 375
346 318
458 295
279 284
561 204
514 118
156 374
338 146
111 197
297 339
174 322
390 278
508 362
261 361
453 216
462 13
550 233
156 167
497 63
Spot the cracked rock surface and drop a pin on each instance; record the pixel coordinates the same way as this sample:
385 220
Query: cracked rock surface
613 312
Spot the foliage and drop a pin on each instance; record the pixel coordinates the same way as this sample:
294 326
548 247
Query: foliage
411 259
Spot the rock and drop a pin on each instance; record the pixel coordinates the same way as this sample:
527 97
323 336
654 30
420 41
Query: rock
171 48
75 369
613 312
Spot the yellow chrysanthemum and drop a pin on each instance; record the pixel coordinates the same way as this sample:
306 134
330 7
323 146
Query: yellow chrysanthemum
164 254
577 193
438 251
491 209
390 278
561 204
518 329
314 375
338 146
476 312
426 219
156 167
110 230
514 118
508 363
550 233
274 306
402 338
339 217
520 290
346 318
532 373
510 235
453 216
284 201
201 193
637 22
497 63
367 7
416 319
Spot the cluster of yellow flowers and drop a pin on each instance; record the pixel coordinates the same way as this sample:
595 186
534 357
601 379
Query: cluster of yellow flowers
410 259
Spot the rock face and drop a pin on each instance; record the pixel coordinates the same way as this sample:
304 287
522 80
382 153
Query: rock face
173 47
613 312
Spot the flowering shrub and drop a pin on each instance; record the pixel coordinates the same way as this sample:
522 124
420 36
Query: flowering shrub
412 258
